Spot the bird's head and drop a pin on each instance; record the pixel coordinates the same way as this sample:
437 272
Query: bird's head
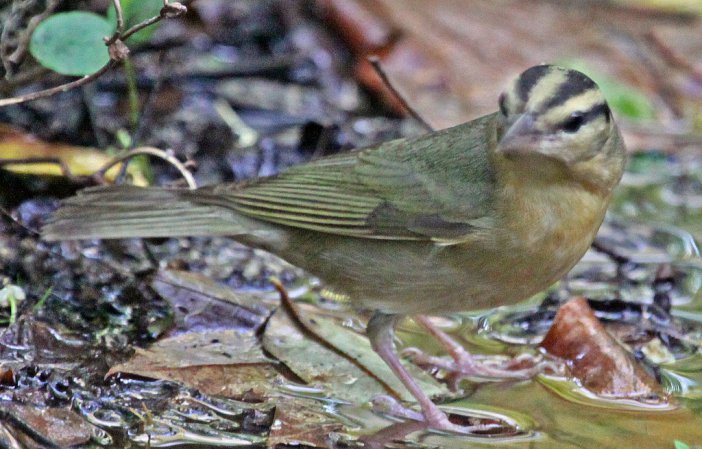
556 117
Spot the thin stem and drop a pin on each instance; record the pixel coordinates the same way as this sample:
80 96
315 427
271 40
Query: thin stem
132 93
58 89
152 152
375 62
120 19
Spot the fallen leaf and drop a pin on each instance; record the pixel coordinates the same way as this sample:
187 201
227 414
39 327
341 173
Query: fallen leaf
302 423
15 145
596 359
60 426
350 371
200 303
316 364
224 363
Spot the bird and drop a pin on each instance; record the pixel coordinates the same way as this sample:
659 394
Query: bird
479 215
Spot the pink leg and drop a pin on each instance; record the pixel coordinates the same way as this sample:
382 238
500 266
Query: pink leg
380 331
466 364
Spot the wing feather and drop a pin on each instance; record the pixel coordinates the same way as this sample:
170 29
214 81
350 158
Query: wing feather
435 187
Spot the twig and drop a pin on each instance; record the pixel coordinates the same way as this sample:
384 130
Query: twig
17 56
307 327
375 62
7 213
151 151
169 10
58 89
673 57
100 174
247 136
120 22
116 48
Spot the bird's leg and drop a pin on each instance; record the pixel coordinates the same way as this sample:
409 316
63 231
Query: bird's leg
380 331
466 365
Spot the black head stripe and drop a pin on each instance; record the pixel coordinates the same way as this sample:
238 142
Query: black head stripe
529 78
600 109
575 84
604 109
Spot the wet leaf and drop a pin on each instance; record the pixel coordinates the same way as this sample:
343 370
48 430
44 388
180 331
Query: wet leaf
217 362
596 359
224 347
302 423
60 426
201 303
81 161
333 369
42 343
316 364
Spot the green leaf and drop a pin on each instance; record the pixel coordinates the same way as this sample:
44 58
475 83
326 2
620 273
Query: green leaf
134 12
680 445
72 43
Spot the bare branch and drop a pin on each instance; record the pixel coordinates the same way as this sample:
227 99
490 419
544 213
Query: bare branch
375 62
58 89
117 51
120 22
673 57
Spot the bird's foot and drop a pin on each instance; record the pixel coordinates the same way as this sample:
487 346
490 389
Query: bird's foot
434 419
466 365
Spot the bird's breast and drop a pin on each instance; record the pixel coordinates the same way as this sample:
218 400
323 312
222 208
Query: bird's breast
547 229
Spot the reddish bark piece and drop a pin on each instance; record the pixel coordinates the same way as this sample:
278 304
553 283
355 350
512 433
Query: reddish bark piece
7 377
362 24
594 357
61 426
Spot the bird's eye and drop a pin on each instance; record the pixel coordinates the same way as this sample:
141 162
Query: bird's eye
574 122
503 104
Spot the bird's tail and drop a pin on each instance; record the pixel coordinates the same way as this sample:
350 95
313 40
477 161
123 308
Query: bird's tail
127 211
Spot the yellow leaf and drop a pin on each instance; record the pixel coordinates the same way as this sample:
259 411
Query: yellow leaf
40 158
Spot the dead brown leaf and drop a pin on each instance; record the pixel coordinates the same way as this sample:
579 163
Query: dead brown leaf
61 426
218 362
200 303
302 423
595 358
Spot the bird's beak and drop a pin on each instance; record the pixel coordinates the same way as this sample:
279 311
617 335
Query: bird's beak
521 138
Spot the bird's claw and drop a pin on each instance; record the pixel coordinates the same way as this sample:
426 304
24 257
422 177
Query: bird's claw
522 367
387 405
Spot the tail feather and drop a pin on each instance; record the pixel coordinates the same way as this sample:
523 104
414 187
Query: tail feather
128 211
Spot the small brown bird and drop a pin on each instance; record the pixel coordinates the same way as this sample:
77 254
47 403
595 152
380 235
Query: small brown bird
483 214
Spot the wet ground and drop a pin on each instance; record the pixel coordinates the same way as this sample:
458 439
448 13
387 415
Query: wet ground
182 343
